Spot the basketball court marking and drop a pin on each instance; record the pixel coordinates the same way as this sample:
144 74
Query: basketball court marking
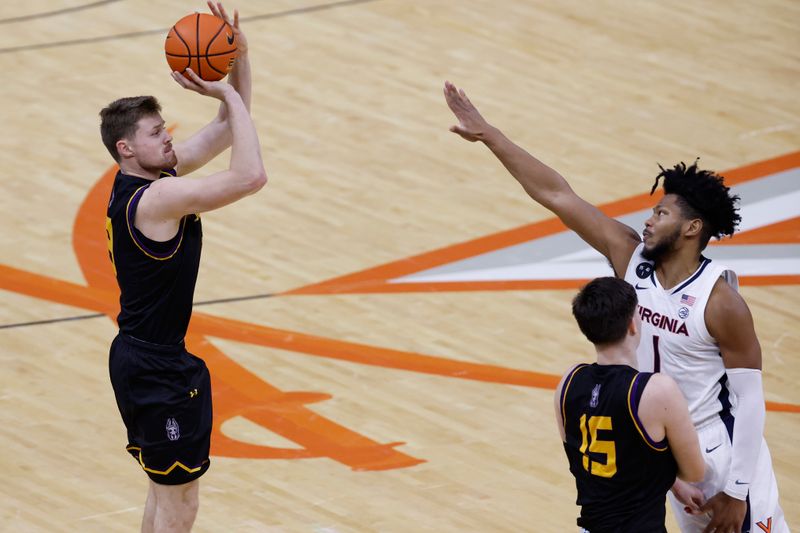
242 393
545 255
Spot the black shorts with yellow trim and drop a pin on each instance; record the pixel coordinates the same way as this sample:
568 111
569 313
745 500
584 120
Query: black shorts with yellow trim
164 396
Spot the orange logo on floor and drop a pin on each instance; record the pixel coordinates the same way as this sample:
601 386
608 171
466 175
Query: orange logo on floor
239 392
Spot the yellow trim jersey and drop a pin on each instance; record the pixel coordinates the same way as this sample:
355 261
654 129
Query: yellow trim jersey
156 278
621 474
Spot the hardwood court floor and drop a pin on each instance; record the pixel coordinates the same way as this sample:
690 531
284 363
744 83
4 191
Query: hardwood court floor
362 403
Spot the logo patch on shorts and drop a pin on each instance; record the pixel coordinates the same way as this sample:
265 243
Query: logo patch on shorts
173 429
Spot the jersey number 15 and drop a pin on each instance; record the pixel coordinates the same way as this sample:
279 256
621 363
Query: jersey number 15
590 442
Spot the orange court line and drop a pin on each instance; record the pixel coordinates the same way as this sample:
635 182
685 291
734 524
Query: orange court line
58 291
239 392
376 279
784 232
367 355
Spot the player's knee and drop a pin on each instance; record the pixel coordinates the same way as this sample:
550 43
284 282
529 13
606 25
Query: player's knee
187 505
177 507
179 516
190 508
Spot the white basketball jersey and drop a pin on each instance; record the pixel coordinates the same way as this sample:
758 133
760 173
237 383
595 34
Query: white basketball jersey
674 335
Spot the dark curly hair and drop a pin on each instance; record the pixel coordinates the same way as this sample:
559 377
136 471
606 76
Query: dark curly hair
702 194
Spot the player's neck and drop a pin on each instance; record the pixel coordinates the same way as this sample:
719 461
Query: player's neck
676 266
616 354
133 169
622 352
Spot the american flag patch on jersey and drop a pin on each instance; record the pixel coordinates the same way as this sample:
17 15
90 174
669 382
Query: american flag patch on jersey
688 300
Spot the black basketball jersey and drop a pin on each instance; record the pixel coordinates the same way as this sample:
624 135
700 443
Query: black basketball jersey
621 474
156 279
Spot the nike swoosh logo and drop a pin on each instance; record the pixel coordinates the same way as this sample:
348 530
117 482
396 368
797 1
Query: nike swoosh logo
737 482
709 450
230 39
638 288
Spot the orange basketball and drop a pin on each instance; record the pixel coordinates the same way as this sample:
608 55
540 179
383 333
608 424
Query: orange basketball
203 43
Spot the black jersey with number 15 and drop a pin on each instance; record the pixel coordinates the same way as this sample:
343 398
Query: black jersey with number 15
621 474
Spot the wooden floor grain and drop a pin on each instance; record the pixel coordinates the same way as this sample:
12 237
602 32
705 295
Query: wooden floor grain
378 410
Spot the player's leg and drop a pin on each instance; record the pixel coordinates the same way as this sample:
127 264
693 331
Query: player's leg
148 520
176 506
169 420
123 358
767 515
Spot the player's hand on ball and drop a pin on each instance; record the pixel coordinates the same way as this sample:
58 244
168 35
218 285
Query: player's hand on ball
471 125
218 10
191 81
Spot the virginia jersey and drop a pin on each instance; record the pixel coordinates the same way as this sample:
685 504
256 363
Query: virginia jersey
675 339
156 279
621 474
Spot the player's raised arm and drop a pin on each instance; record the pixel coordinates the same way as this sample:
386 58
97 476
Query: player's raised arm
664 413
215 137
611 238
168 199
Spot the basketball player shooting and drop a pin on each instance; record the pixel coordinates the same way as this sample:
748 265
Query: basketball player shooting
163 392
691 314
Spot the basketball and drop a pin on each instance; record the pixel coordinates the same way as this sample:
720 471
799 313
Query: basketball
202 42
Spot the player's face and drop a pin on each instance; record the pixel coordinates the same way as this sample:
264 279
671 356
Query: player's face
663 229
152 144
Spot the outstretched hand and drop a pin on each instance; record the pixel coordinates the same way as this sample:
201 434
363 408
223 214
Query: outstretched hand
218 10
727 513
471 125
193 82
690 496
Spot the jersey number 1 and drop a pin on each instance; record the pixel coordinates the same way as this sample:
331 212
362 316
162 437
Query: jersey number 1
656 355
590 442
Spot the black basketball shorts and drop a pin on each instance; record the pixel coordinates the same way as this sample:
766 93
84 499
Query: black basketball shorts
164 396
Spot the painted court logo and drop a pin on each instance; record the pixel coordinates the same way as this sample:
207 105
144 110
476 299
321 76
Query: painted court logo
542 255
173 429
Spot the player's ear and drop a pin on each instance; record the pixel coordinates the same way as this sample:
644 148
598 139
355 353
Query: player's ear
634 325
124 149
693 227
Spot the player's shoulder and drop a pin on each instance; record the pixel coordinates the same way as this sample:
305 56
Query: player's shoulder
723 289
660 389
568 374
725 298
124 187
